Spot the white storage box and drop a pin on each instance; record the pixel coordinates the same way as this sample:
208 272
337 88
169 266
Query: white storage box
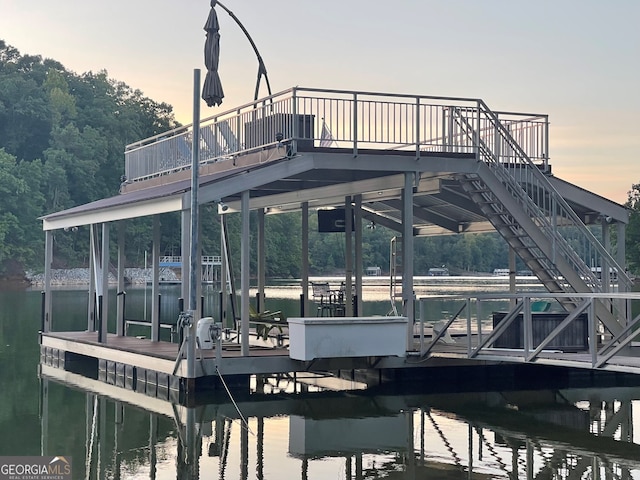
340 337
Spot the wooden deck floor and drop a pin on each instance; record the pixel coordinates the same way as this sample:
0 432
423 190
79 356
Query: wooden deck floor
162 355
162 349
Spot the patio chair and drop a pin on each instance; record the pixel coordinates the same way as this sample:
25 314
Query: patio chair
323 297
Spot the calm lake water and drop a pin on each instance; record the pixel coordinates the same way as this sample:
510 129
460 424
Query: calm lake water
302 428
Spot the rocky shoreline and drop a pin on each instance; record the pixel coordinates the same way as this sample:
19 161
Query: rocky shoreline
80 276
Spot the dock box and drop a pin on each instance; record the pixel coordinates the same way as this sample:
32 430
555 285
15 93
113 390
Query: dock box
342 337
574 338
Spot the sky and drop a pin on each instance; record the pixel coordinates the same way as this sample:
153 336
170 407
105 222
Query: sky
576 60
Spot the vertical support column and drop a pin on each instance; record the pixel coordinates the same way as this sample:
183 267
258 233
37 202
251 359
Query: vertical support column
605 267
621 252
261 260
305 260
155 281
407 253
359 267
48 259
348 248
185 235
224 277
512 273
244 274
120 297
104 307
91 304
622 261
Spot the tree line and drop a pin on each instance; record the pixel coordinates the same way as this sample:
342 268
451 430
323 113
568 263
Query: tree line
62 141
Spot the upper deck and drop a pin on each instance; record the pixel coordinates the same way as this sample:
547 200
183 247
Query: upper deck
307 119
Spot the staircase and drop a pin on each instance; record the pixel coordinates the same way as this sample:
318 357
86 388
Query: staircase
524 207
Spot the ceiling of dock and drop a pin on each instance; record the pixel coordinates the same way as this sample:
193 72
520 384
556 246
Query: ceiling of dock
324 180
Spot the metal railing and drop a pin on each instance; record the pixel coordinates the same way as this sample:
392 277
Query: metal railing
518 332
205 259
309 118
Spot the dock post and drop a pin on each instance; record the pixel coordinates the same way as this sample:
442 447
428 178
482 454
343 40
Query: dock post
261 261
43 311
244 274
305 259
359 267
120 294
155 281
104 288
99 326
348 243
407 254
46 327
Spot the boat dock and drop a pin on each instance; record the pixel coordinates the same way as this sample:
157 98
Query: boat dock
416 164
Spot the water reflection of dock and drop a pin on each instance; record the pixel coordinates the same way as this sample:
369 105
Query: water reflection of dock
510 433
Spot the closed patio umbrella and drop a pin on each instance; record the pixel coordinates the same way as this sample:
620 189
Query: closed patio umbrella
212 90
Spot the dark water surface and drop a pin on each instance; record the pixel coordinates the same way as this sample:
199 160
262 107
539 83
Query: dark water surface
302 428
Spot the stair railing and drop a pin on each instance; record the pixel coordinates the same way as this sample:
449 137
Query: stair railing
546 207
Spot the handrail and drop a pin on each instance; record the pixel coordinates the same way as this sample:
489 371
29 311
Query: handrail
604 350
384 121
558 203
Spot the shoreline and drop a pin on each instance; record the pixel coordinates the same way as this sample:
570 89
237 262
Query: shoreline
80 276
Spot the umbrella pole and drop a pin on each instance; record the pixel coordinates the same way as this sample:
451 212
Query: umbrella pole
262 70
193 267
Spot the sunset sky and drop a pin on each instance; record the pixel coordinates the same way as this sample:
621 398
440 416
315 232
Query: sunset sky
576 60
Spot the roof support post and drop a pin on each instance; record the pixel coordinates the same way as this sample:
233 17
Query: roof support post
407 254
91 313
358 241
155 281
512 273
605 275
224 279
261 261
48 259
104 290
621 260
244 275
621 246
348 248
120 298
305 259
